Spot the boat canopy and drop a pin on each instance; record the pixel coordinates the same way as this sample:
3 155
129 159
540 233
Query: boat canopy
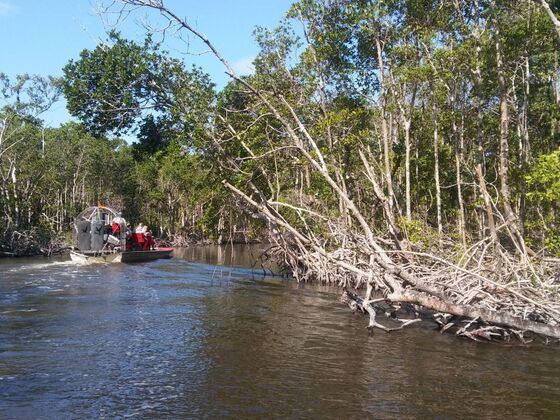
96 213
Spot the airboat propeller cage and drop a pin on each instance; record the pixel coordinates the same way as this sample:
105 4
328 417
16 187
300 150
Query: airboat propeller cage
92 228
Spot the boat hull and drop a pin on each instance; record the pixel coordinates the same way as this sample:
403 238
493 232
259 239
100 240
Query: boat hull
143 256
117 257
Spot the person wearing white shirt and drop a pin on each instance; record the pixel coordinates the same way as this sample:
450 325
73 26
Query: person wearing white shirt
140 235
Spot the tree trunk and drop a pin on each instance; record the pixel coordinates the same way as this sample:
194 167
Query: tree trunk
479 166
407 168
436 171
511 217
459 147
482 314
384 129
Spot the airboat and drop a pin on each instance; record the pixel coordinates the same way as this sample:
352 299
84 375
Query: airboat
100 236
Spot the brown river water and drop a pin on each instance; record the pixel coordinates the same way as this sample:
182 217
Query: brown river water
207 334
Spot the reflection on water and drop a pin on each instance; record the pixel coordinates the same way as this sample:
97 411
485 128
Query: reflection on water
230 255
210 336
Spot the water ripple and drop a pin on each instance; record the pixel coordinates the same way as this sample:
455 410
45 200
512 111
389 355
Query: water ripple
178 338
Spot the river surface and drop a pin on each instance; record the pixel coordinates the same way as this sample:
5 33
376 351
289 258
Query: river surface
208 335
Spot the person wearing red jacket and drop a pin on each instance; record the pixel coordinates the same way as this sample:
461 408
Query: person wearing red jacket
118 226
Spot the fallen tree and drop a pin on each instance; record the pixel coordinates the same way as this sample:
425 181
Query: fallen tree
502 305
491 287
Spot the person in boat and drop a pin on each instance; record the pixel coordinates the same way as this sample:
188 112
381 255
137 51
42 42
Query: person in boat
118 226
129 238
148 239
139 234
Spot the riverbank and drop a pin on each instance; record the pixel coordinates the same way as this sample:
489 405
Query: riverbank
32 242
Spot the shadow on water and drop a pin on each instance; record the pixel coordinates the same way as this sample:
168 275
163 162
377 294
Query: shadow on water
205 334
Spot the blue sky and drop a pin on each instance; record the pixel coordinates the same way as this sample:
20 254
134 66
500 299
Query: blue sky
40 36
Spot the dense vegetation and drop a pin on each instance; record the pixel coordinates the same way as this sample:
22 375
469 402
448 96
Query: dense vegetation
456 103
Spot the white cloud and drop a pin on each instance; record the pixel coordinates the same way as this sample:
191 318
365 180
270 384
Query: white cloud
244 66
7 8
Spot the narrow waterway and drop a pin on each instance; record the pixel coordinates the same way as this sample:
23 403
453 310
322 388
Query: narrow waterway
206 334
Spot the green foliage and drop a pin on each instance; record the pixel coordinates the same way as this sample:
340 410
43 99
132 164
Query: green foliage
544 179
29 95
437 61
112 88
49 175
114 76
419 233
544 194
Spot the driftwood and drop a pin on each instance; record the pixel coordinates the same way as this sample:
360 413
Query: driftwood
372 307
